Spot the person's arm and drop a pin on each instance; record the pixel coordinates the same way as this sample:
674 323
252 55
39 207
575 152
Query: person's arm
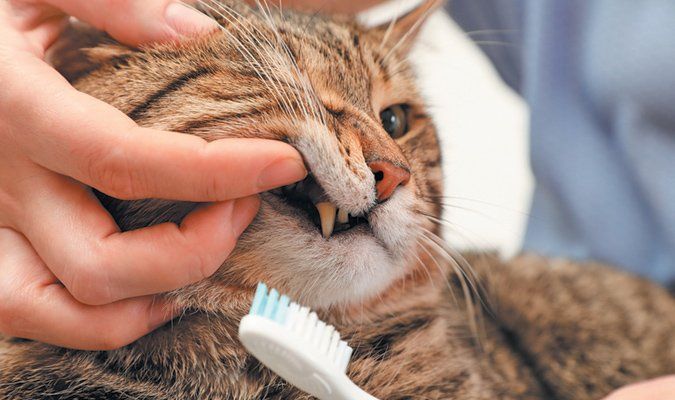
68 276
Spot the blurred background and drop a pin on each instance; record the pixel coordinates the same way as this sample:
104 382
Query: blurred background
483 128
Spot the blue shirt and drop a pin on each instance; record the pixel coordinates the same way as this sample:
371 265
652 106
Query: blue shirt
599 77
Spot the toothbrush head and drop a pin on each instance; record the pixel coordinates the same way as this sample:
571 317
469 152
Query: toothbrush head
324 340
293 342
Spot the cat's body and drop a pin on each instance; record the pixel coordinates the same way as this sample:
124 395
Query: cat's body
551 329
558 330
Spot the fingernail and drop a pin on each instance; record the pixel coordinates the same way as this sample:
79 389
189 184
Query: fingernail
187 21
161 312
243 212
282 172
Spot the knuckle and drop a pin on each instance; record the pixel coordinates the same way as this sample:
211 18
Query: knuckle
212 188
205 265
117 4
87 281
11 210
111 338
88 294
111 173
15 313
199 264
11 322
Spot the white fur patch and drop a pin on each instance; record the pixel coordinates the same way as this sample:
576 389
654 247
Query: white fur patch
346 268
353 191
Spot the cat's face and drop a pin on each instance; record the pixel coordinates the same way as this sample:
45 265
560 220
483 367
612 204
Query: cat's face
341 94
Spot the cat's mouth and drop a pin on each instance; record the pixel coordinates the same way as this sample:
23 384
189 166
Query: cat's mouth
309 197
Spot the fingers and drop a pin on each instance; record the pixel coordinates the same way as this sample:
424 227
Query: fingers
99 265
656 389
139 21
34 306
40 24
78 136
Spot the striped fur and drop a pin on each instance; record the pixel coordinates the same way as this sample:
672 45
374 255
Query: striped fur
550 329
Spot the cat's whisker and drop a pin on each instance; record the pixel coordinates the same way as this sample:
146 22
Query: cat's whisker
465 266
463 232
447 205
470 291
442 246
243 50
310 95
493 43
387 33
440 270
409 34
273 70
425 267
237 21
489 31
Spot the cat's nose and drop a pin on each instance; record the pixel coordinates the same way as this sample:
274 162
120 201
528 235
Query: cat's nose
388 177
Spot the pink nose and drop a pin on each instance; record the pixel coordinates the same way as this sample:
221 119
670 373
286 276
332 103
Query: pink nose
388 177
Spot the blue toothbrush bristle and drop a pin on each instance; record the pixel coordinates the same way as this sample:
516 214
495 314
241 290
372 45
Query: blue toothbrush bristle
272 303
323 339
269 305
259 299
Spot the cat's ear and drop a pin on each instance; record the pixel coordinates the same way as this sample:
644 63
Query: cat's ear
402 31
82 48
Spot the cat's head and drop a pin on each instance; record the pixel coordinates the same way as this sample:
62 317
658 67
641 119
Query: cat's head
342 94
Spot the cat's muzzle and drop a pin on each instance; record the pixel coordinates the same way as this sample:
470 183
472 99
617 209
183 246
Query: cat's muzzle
308 196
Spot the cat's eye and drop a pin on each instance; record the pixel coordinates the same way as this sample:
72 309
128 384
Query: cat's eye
395 120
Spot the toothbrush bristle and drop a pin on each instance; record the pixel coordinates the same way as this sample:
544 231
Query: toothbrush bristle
325 339
259 299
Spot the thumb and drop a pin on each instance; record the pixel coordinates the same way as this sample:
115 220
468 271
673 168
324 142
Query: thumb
135 22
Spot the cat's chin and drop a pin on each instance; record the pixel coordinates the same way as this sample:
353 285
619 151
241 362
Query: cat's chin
287 251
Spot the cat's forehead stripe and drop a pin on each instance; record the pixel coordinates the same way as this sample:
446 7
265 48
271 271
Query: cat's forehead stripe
174 85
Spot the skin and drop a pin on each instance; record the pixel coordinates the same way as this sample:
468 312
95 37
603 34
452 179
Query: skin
657 389
68 275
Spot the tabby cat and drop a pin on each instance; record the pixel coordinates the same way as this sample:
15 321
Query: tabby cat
371 261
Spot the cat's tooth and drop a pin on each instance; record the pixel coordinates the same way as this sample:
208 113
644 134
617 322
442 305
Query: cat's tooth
327 212
342 216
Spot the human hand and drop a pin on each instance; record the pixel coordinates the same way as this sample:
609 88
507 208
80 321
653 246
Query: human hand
656 389
68 276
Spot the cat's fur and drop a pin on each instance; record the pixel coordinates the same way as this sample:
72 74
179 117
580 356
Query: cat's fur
552 329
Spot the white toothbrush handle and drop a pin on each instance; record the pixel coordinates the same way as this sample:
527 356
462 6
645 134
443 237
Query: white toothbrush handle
293 358
334 386
350 391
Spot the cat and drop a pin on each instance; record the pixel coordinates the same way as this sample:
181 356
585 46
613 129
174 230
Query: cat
345 97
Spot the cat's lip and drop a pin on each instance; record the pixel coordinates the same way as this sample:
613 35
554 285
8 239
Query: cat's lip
309 196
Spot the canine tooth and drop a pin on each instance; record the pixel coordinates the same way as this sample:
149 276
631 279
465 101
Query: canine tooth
342 216
327 214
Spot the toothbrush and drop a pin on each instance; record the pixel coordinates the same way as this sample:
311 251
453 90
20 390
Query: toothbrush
292 341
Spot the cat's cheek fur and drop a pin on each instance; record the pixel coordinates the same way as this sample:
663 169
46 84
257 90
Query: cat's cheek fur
396 223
